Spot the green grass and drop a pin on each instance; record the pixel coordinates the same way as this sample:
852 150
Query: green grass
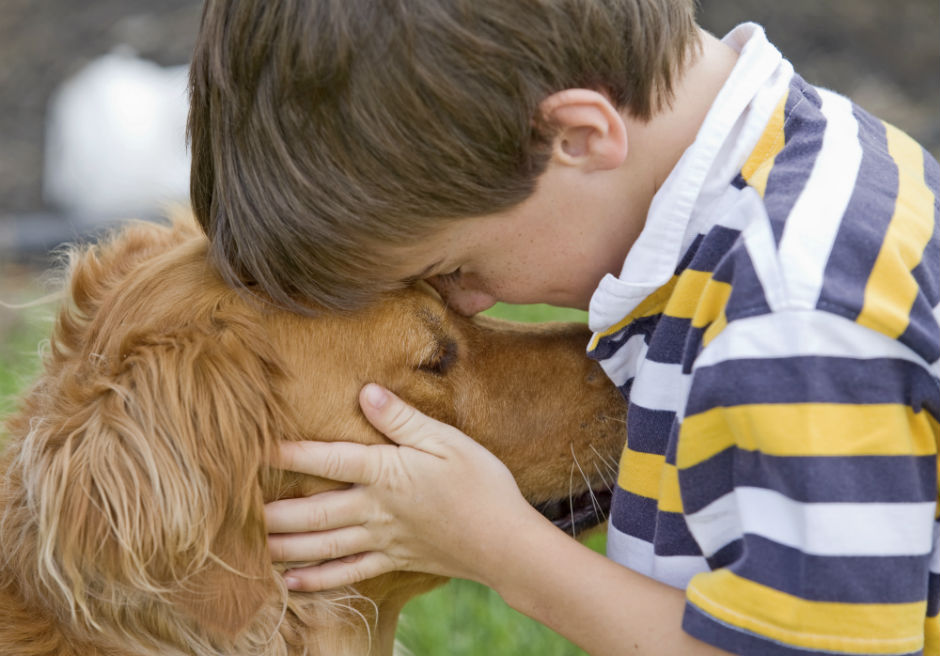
463 618
22 334
459 619
536 313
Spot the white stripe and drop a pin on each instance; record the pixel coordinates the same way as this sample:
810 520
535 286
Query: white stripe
659 386
762 249
621 366
716 525
639 556
811 227
802 333
936 316
822 529
935 556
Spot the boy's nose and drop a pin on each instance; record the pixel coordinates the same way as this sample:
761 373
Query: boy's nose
462 300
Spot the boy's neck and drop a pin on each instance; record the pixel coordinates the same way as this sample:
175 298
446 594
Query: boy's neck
660 142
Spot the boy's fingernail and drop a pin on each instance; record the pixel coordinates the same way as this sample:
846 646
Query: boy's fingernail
292 582
375 395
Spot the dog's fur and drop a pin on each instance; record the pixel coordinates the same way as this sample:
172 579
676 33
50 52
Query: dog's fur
133 479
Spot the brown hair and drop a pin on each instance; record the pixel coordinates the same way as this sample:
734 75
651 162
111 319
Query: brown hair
324 132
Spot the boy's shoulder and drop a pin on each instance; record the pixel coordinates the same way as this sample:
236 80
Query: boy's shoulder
846 221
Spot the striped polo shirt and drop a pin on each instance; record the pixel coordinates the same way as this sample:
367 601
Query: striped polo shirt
776 332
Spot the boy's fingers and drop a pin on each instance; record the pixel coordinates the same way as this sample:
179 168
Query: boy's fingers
325 545
321 512
337 573
339 461
397 420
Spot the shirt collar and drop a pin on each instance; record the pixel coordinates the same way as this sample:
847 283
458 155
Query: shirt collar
653 259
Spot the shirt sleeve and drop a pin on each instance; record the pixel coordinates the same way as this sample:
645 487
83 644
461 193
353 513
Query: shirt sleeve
807 463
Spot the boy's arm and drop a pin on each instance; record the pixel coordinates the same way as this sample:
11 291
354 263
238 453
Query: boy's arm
441 503
596 603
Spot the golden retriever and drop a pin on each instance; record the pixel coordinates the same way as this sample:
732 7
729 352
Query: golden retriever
134 473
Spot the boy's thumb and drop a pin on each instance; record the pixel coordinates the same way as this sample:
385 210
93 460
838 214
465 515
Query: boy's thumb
397 420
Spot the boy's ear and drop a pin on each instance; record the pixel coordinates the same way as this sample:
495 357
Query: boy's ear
589 132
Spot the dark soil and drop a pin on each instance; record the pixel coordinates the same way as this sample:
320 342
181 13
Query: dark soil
885 55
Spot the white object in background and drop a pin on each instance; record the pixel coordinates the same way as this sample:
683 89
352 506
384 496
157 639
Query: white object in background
116 140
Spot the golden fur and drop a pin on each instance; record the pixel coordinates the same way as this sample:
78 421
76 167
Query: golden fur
133 479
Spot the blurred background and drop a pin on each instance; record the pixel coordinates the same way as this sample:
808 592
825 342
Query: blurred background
91 111
106 144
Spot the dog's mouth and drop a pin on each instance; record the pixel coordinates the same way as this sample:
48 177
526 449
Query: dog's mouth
577 514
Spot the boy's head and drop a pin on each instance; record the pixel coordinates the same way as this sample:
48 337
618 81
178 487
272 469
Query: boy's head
326 133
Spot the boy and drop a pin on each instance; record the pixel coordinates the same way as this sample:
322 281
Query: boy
761 264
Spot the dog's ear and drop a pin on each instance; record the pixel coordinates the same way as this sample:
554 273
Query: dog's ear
149 484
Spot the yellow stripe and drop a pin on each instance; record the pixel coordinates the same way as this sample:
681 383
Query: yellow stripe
891 288
639 472
712 303
652 304
688 294
648 475
808 429
757 167
860 628
932 636
715 328
670 499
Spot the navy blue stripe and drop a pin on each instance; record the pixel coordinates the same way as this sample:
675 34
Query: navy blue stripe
810 379
844 579
737 641
933 595
739 182
609 345
811 479
922 333
728 554
692 347
672 536
640 517
718 241
648 430
747 297
689 254
867 215
854 479
803 129
708 480
927 272
667 344
633 514
672 446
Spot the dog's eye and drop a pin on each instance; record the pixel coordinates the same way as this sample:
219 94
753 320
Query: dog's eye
443 358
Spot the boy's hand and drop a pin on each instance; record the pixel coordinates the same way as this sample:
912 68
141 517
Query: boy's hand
437 503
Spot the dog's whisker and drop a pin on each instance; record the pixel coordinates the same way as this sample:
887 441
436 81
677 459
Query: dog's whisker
611 466
619 420
587 481
574 533
603 478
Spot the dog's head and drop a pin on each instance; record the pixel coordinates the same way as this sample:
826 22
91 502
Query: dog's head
136 475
